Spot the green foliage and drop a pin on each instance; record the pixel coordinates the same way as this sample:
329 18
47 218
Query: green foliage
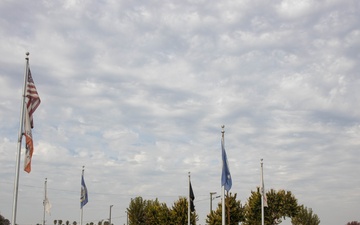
179 213
4 221
152 212
157 213
232 208
136 211
305 216
281 204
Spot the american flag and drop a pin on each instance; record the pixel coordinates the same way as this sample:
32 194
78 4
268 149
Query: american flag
33 101
33 98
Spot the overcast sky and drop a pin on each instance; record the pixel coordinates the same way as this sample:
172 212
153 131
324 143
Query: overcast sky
137 91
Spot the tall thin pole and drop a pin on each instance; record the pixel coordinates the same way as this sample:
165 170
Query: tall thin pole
127 218
189 214
110 214
45 197
20 134
262 193
81 210
223 187
211 198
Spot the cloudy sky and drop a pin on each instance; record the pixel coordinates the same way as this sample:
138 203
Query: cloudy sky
137 91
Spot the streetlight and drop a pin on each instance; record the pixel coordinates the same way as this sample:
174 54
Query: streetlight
110 214
212 198
211 194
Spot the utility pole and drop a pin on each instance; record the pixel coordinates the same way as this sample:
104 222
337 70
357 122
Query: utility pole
110 214
211 198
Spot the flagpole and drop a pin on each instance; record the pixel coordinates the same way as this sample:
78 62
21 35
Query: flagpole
262 193
44 203
81 211
20 134
223 186
189 214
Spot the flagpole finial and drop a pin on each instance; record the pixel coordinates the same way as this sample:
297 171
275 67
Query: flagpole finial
222 128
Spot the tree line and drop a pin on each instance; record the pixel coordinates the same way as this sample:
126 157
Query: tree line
281 204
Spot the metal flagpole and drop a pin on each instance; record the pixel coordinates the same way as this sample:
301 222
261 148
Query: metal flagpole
262 194
189 214
223 187
20 134
44 202
223 205
81 211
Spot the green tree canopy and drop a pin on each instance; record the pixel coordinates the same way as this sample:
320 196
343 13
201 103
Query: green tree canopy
152 212
136 211
179 213
157 213
281 204
232 208
305 216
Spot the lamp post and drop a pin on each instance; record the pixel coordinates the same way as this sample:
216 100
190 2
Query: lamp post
211 198
110 214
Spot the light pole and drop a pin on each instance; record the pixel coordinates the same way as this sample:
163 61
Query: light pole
110 214
211 194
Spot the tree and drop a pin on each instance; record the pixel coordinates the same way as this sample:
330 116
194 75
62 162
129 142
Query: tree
136 211
281 204
305 216
179 213
4 221
152 212
60 222
157 213
353 223
232 207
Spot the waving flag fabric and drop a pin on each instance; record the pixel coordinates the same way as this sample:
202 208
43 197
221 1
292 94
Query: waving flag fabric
192 198
33 101
225 176
84 193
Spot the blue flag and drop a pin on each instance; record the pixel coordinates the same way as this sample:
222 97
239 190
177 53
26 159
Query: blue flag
84 193
225 176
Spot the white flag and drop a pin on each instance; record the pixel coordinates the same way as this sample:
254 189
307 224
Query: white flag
262 188
47 206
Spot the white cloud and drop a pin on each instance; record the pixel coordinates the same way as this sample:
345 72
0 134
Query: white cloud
137 92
